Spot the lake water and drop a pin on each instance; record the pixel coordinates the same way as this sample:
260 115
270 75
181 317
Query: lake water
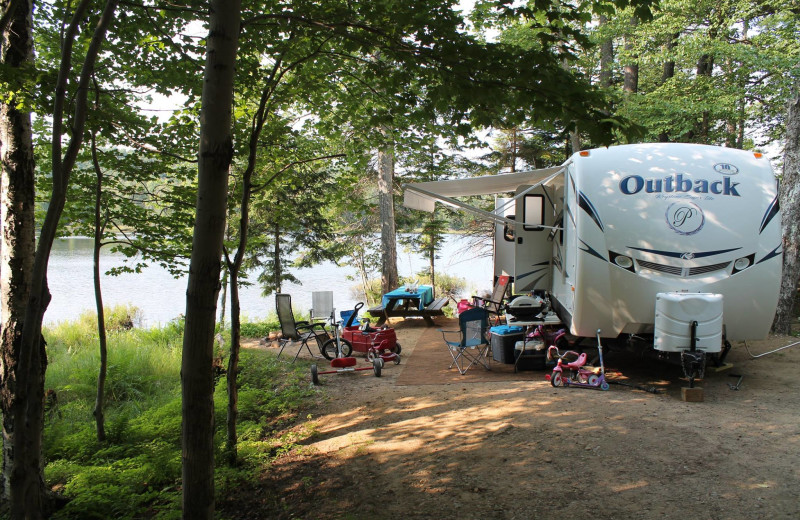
162 297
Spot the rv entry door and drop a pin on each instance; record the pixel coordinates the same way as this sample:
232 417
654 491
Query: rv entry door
532 249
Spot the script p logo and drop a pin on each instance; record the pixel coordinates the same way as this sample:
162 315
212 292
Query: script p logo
685 218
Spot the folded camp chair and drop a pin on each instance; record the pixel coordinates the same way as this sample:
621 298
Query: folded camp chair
472 345
297 331
495 304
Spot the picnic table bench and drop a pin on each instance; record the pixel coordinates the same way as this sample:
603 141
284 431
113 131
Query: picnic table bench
435 308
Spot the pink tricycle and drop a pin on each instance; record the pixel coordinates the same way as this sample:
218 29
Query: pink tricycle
575 372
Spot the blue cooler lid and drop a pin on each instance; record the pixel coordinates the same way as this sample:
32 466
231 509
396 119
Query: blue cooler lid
503 330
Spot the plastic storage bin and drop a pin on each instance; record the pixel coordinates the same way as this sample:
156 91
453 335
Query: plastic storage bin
503 340
533 354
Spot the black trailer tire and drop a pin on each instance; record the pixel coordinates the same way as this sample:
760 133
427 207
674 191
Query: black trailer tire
314 375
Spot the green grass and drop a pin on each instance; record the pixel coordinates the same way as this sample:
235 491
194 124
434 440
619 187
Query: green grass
135 473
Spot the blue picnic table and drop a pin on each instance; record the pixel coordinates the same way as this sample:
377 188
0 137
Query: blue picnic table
404 296
407 302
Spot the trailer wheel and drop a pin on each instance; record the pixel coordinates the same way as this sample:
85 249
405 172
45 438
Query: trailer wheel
329 348
377 364
555 379
314 375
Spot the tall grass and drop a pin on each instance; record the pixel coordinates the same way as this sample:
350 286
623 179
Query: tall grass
136 472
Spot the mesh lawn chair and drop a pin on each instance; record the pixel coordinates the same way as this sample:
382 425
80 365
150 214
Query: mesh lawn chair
297 331
321 306
495 303
472 345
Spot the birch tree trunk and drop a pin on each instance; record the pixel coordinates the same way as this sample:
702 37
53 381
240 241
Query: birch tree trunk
789 199
17 214
215 156
389 276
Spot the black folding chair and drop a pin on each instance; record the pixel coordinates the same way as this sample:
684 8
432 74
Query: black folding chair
297 331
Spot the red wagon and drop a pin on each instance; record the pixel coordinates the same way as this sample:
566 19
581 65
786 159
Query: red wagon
374 342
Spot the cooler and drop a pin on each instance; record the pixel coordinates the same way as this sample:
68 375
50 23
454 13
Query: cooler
503 339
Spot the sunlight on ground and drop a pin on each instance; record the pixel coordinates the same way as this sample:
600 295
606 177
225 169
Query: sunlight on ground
629 486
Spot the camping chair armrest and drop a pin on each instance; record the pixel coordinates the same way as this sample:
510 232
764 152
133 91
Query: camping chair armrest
446 332
492 301
485 300
304 325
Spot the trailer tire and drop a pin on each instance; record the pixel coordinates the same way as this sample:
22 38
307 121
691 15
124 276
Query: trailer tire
314 375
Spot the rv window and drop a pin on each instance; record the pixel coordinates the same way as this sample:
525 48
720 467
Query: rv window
534 212
508 230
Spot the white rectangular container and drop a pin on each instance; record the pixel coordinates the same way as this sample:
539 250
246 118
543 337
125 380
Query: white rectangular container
675 312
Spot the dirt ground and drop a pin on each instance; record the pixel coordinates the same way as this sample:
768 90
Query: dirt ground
526 450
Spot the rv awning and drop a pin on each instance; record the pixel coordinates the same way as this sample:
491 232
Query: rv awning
423 195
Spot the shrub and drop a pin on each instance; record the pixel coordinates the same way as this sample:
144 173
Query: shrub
136 472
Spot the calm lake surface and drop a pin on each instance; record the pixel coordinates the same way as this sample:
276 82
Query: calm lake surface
162 297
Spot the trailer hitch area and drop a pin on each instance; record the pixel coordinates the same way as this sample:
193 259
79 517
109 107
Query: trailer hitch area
738 383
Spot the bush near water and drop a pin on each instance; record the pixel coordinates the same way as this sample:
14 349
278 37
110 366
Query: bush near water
136 472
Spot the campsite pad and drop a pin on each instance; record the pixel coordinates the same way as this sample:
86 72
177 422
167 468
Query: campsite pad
523 449
428 362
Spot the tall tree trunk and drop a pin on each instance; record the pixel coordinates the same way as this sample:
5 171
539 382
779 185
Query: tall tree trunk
705 68
667 73
99 414
232 437
389 276
223 298
513 151
215 157
606 58
575 141
277 267
17 220
28 494
790 208
631 79
235 265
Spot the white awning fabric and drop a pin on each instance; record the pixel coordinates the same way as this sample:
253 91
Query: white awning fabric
423 195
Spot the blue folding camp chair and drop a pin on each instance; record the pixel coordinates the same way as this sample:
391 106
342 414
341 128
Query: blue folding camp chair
472 345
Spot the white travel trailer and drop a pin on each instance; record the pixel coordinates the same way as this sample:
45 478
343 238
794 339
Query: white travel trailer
640 239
